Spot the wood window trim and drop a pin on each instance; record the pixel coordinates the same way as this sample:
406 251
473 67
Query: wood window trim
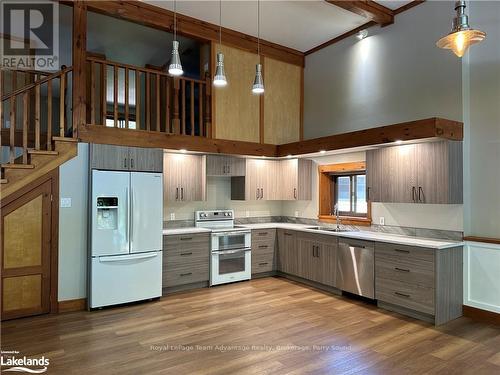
326 187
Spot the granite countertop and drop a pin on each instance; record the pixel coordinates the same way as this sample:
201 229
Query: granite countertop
360 235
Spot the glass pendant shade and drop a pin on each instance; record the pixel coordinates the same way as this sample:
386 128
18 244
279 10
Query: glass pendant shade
175 67
462 36
220 75
258 82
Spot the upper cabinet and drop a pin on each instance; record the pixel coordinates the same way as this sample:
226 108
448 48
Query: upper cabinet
295 179
123 158
417 173
225 166
282 102
184 178
236 115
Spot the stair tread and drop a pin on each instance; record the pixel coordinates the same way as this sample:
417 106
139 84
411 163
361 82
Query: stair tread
18 166
42 152
64 139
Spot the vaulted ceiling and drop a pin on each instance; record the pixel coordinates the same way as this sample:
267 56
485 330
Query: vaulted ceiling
301 25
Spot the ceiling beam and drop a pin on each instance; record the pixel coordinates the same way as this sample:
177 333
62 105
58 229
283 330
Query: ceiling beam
368 9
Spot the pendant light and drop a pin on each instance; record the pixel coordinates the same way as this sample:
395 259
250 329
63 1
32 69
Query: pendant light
462 35
258 82
220 75
175 67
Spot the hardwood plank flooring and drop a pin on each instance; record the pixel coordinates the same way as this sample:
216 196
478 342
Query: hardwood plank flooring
296 330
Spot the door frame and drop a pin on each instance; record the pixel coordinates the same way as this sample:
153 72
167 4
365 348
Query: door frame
53 177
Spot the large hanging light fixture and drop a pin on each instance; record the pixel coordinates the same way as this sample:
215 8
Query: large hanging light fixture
462 35
220 75
258 82
175 67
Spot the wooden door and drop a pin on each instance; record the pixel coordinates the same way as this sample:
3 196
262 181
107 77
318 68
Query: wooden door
192 178
401 186
146 159
288 256
307 262
172 164
253 179
288 179
433 172
304 178
109 157
26 254
217 165
374 175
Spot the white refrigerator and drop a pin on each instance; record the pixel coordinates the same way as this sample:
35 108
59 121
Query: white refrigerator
126 237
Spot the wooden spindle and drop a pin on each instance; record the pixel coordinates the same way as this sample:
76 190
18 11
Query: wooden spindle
1 105
200 109
25 126
191 92
183 108
115 96
14 80
157 102
12 128
92 93
49 115
148 101
62 91
167 105
126 97
208 106
137 99
175 119
37 117
104 93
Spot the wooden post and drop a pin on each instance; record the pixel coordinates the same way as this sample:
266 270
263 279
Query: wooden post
175 120
12 127
25 126
92 92
115 96
208 106
191 104
37 117
127 73
104 93
167 105
49 115
183 108
200 109
157 102
62 91
137 99
79 57
148 101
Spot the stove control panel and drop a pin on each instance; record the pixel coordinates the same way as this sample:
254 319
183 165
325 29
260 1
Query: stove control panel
214 215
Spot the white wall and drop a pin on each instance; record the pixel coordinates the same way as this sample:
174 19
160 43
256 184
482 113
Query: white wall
396 74
73 182
481 75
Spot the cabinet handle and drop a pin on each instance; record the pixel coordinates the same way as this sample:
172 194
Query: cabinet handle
263 247
263 263
223 169
176 194
263 233
402 251
186 274
261 193
184 254
313 251
287 234
413 193
294 193
420 190
228 169
401 269
402 294
132 163
257 194
318 255
182 193
124 162
186 238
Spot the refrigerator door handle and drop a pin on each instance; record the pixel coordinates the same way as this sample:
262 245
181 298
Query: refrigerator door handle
127 225
119 258
131 237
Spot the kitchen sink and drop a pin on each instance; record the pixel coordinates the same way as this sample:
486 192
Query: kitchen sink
330 229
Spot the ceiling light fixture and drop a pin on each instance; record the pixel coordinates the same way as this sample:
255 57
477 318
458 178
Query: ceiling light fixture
175 67
462 36
322 151
220 75
398 141
183 150
258 82
362 34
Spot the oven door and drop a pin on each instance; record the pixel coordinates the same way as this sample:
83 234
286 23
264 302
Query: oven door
231 240
230 265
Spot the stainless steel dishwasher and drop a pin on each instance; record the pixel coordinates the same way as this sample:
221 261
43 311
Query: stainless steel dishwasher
356 267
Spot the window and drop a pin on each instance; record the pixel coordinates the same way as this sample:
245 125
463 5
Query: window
350 194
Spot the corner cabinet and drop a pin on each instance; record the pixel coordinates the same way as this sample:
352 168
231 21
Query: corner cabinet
184 177
417 173
123 158
295 179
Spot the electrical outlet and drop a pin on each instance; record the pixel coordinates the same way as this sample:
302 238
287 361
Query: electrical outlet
247 213
296 213
381 220
65 203
172 216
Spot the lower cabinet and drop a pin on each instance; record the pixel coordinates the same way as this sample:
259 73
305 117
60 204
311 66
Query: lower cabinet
288 254
263 251
186 260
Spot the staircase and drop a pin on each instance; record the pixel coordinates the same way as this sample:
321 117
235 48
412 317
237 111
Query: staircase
35 136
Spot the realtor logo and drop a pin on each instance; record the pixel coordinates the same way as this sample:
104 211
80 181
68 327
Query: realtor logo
10 361
30 34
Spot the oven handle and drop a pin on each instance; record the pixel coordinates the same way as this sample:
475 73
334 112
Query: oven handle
226 234
231 251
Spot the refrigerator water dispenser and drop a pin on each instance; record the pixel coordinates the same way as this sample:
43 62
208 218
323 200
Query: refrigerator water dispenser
107 213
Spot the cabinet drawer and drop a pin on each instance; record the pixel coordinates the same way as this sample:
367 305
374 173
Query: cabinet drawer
263 235
192 242
411 296
263 247
185 275
262 263
411 271
403 252
185 258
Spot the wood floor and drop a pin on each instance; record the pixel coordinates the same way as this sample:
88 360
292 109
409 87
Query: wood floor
212 331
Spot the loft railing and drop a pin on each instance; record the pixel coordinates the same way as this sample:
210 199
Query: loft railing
32 114
126 96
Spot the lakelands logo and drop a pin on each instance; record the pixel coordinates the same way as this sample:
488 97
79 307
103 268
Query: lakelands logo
29 32
14 363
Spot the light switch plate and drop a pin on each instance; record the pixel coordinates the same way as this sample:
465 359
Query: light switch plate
172 216
65 203
381 220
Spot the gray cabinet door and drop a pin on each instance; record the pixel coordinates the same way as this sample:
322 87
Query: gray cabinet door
109 157
193 174
374 177
217 165
401 184
146 159
288 255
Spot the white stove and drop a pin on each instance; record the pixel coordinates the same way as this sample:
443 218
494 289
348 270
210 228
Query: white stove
230 246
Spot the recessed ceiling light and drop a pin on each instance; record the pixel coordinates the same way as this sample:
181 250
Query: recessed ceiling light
183 150
322 151
362 34
398 141
289 156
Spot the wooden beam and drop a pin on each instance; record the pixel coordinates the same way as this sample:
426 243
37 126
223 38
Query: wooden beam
160 18
495 241
343 167
368 9
410 5
407 131
79 64
142 138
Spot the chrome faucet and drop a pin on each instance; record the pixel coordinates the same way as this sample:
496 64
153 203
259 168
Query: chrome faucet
336 214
